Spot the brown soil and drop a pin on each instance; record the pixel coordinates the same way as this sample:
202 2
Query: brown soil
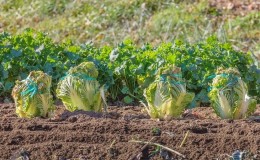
88 135
236 7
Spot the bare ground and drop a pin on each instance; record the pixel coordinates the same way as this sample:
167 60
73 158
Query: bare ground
88 135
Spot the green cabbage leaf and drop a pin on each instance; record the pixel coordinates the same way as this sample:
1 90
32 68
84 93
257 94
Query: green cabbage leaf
229 95
32 96
79 89
167 96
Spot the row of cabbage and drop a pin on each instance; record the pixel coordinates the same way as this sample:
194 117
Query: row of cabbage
166 97
126 69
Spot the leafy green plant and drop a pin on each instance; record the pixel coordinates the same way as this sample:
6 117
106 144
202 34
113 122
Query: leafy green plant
229 95
32 50
79 89
198 61
26 52
32 96
167 96
156 131
126 69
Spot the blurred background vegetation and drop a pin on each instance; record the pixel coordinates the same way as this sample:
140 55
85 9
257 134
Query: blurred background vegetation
109 22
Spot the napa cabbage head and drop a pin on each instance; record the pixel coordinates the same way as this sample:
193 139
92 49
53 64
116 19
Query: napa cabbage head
229 95
32 96
167 96
80 90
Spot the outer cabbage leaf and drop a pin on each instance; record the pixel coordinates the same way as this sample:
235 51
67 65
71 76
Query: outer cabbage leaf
32 96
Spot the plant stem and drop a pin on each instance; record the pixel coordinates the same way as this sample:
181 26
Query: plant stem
157 144
184 139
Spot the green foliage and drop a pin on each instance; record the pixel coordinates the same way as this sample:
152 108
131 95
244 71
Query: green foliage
110 22
229 95
33 50
167 96
135 68
79 89
200 60
250 22
32 96
127 69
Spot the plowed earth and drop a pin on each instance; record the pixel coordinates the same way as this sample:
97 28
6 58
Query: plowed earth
88 135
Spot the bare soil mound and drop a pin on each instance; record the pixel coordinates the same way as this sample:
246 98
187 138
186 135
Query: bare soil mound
89 135
236 7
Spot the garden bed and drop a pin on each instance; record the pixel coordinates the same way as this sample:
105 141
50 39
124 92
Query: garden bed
89 135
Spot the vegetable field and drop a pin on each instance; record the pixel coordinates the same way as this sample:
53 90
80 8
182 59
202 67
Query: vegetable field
126 69
180 110
129 80
170 80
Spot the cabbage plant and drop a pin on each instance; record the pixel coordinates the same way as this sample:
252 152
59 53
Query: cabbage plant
229 95
167 96
80 90
32 96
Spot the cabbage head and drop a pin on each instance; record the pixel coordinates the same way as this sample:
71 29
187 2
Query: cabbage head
229 95
32 96
80 90
167 96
